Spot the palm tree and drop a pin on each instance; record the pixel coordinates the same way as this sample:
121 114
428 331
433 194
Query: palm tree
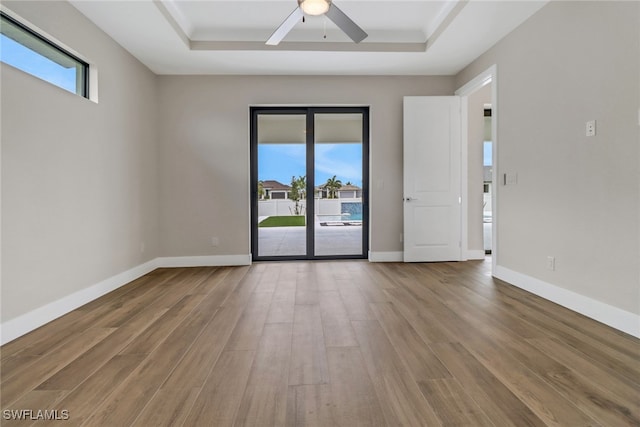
261 192
332 186
298 192
301 185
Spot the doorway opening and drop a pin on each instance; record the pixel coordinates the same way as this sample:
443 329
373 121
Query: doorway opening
309 182
487 172
482 216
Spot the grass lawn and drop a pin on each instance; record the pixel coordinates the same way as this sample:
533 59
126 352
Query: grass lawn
283 221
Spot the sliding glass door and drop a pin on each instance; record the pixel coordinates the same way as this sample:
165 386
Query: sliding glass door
309 182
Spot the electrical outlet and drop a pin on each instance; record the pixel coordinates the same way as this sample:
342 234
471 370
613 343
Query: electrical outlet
591 128
215 242
551 263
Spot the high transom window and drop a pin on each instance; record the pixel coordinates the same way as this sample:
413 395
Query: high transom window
25 49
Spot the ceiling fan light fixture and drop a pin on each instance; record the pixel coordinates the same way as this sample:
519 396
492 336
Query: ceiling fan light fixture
317 7
314 7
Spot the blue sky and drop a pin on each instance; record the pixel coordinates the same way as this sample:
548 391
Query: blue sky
25 59
282 161
488 159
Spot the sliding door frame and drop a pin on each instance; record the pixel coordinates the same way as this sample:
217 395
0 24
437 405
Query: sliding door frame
310 113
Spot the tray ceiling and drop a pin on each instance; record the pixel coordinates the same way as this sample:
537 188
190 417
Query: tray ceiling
227 37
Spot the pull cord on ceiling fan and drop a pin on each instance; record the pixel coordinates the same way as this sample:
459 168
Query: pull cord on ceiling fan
316 8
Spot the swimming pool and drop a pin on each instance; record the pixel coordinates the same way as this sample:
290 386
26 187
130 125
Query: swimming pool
343 217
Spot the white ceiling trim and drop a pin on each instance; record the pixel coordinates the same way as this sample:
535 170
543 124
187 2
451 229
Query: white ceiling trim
309 46
184 30
227 37
174 17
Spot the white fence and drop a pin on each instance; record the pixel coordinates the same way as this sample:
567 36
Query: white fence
284 207
279 207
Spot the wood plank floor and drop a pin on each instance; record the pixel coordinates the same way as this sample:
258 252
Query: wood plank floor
344 343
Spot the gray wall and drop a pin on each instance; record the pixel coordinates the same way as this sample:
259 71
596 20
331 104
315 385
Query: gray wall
577 198
204 134
79 179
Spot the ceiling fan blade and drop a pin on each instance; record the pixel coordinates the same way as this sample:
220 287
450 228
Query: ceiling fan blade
345 23
285 27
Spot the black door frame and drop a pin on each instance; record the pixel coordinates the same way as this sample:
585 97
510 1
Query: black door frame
310 165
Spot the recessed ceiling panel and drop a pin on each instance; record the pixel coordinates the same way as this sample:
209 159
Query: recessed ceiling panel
414 37
206 16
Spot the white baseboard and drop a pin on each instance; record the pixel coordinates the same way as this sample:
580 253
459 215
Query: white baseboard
386 256
474 254
609 315
204 261
399 256
18 326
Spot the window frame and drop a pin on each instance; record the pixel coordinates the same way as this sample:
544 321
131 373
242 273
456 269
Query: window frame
82 89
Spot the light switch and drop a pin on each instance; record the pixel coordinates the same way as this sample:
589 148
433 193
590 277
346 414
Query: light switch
509 178
551 263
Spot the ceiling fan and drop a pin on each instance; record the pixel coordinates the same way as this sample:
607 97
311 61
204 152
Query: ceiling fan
315 8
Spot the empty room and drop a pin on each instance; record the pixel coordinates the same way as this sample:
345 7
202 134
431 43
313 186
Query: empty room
318 212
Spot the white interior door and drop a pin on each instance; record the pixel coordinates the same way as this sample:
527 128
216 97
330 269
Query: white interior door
432 183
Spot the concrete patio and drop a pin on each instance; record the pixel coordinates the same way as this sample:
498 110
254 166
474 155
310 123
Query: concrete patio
329 240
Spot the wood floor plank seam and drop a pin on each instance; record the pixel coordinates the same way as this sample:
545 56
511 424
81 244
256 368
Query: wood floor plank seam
80 313
562 411
154 388
185 355
625 405
186 297
347 343
18 385
580 323
589 348
107 410
554 311
187 314
538 327
498 402
589 367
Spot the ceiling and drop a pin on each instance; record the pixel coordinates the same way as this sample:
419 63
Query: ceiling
413 37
